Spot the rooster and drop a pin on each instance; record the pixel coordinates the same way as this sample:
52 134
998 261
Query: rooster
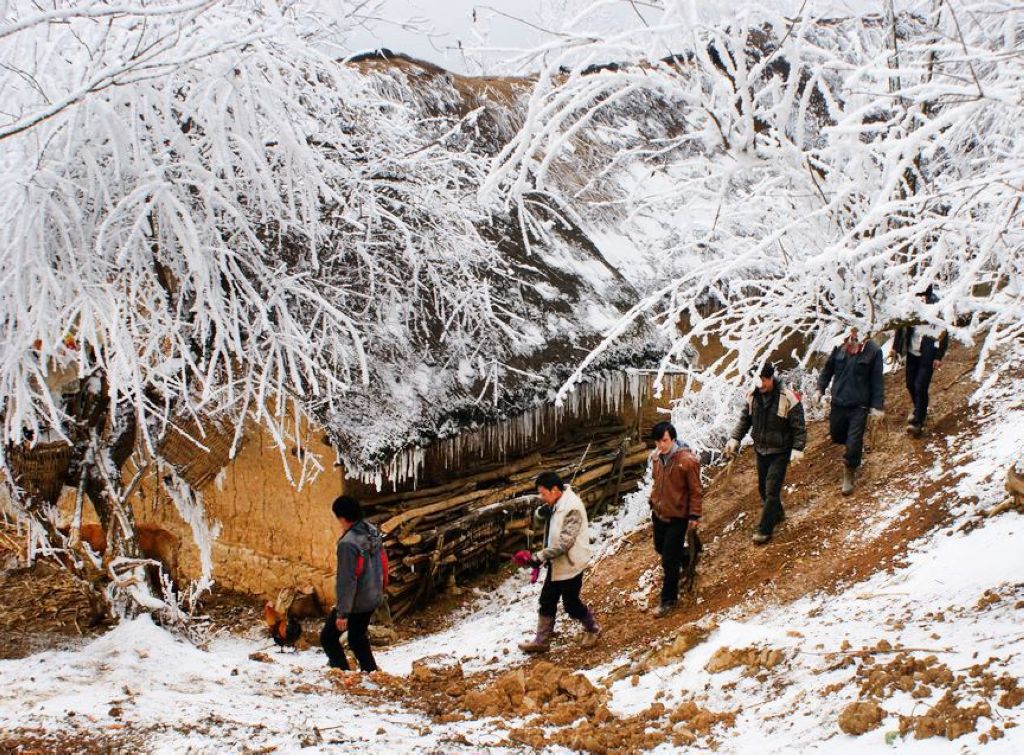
285 630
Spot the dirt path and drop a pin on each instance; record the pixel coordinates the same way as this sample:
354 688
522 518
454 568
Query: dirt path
826 542
815 548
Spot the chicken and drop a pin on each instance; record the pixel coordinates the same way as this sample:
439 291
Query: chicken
285 630
155 543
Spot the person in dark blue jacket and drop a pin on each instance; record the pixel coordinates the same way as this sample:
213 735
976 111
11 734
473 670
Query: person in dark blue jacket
924 346
854 369
359 587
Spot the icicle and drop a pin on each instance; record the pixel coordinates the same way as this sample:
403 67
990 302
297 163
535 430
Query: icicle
500 441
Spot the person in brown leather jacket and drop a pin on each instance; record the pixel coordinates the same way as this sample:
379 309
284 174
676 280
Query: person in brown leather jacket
676 498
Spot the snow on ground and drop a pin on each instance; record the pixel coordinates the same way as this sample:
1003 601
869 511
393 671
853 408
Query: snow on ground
139 675
484 636
220 698
944 574
187 699
931 604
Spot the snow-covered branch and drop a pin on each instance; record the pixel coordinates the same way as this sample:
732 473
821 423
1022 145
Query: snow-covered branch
220 217
816 171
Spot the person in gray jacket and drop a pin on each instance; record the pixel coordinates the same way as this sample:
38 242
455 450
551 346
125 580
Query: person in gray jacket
854 369
774 416
359 586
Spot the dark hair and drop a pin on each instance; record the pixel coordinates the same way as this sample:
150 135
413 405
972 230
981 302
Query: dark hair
348 508
768 371
549 480
659 430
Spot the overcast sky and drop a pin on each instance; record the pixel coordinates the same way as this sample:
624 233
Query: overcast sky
470 36
451 33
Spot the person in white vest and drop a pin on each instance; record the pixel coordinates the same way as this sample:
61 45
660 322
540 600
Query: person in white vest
924 346
566 553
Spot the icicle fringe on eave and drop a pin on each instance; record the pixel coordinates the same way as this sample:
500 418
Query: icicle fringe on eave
516 436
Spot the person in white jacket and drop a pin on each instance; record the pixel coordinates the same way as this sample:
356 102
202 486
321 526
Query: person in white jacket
566 553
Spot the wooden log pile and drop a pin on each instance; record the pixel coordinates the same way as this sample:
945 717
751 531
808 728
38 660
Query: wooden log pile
435 534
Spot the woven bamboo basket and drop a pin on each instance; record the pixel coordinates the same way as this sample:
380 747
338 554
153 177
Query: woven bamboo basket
41 470
194 463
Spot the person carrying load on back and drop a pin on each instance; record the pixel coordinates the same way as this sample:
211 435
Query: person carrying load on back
854 368
676 498
774 416
359 587
566 553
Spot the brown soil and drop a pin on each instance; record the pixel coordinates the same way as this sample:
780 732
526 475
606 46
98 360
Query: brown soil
78 737
554 704
860 718
924 678
812 550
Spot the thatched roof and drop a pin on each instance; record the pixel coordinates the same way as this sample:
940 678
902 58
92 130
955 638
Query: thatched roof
565 292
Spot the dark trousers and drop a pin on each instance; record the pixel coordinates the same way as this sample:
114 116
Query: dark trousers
846 424
358 641
919 379
771 474
670 544
568 590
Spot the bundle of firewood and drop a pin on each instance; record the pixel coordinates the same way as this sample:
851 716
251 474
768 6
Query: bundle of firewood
435 534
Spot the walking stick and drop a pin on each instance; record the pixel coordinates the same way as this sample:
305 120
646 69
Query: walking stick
693 548
725 471
580 462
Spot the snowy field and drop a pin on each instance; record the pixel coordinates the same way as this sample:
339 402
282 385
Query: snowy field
139 677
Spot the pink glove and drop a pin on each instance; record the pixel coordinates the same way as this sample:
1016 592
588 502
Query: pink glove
534 575
522 558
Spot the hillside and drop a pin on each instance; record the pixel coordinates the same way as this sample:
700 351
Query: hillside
213 213
880 599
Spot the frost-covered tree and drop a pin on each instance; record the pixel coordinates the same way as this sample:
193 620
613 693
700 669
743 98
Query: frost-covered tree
819 169
205 216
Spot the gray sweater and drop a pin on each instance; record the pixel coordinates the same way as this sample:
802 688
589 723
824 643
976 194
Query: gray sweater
359 587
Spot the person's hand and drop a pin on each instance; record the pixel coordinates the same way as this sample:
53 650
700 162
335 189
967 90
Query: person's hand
341 624
818 398
796 455
693 525
936 364
876 414
732 447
